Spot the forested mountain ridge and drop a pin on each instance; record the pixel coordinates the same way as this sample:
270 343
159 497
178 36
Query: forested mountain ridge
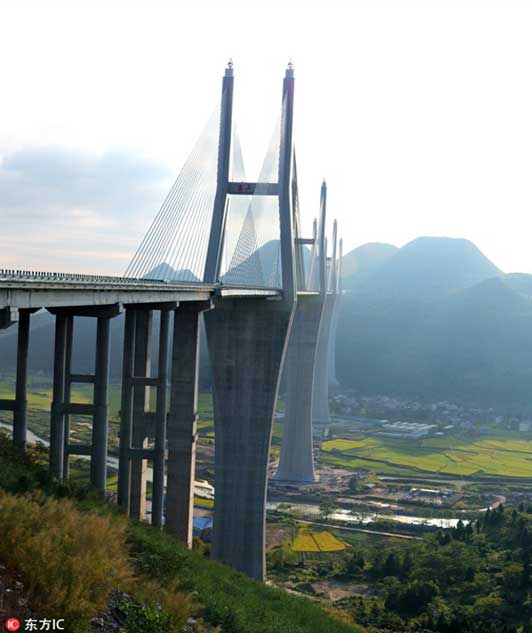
438 320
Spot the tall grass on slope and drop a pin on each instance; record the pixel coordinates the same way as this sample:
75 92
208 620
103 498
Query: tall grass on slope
71 560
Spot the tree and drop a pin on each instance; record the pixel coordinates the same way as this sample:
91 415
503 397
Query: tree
392 566
459 533
355 485
407 564
326 509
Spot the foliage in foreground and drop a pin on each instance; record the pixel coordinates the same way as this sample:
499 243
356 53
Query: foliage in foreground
71 560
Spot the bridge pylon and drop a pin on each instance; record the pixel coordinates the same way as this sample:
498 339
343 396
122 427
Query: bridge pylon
247 340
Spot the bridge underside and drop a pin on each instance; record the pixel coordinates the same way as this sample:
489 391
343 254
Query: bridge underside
246 342
296 460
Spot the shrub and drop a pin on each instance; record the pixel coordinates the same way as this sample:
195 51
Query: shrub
70 560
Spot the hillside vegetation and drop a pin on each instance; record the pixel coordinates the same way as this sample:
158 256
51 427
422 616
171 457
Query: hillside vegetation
81 548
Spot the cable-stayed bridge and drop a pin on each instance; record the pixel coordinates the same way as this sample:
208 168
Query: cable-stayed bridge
232 250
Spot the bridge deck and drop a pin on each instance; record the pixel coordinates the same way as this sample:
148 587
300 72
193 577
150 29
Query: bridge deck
25 290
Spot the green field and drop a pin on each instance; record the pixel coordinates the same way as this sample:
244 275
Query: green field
506 455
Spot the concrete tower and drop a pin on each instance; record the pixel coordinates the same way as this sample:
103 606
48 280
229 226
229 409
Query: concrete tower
247 341
296 461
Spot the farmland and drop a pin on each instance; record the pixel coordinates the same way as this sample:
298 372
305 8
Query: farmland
505 454
308 540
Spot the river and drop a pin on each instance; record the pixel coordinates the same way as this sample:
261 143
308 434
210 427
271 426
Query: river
348 516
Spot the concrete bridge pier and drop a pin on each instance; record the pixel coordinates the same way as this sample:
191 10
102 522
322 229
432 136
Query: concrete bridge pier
182 419
137 423
246 342
159 449
141 405
9 316
296 461
126 411
68 393
320 399
64 378
20 427
57 415
100 423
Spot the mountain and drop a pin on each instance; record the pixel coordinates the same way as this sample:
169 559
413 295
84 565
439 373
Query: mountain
431 266
438 320
164 271
362 262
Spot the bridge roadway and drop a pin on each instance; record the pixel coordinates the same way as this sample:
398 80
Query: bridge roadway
28 290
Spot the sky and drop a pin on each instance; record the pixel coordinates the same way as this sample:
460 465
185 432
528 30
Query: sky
418 114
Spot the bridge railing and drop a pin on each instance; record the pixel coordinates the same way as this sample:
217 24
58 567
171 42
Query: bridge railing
37 275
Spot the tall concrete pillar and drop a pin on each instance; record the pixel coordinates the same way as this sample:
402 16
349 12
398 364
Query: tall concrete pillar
126 411
100 424
246 342
182 419
296 462
20 427
68 392
141 403
57 418
159 456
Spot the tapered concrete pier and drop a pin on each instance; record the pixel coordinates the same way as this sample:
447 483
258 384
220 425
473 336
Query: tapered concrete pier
246 344
296 462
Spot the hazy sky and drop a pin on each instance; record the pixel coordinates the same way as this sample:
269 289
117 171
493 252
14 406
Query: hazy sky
419 114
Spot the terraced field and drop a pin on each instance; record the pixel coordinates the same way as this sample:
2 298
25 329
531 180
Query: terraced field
308 540
507 455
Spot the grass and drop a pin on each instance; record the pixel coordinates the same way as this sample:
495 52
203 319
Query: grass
308 540
505 456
